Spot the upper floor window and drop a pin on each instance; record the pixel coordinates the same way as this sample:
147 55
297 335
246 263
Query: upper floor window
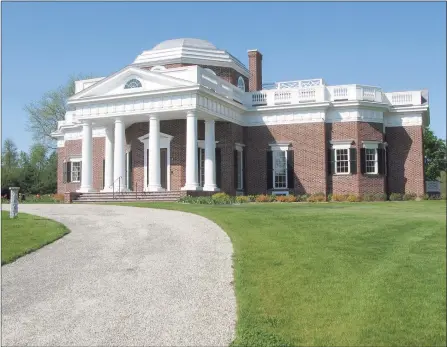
241 83
133 83
342 158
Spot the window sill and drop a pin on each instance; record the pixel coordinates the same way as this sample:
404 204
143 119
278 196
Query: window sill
342 174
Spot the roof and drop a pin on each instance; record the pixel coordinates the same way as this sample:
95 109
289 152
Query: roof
184 42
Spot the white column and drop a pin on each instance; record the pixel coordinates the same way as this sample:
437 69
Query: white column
119 160
210 157
87 158
154 154
191 152
108 155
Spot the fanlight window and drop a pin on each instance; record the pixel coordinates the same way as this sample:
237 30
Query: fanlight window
241 83
133 83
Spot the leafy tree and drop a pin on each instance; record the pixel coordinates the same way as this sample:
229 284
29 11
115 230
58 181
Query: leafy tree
435 155
44 114
10 172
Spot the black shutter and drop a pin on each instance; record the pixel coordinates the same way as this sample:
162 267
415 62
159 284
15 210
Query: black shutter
381 159
130 171
64 175
147 167
68 172
353 159
269 170
244 171
236 168
218 168
103 173
363 160
330 161
290 170
198 166
80 171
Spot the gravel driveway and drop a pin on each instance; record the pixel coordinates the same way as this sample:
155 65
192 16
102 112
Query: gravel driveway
124 276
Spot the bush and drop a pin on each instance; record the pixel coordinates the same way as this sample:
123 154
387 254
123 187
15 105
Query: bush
380 197
241 199
58 197
265 198
222 199
368 197
317 197
339 197
409 196
353 198
303 197
396 197
286 198
252 198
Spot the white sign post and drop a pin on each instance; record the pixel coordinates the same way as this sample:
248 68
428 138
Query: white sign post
14 202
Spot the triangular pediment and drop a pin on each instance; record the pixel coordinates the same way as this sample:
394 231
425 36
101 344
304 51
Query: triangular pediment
146 81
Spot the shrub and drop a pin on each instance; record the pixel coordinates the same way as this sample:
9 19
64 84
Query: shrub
396 197
329 197
339 197
252 198
380 197
303 197
368 197
317 197
222 199
241 199
286 198
265 198
409 196
353 198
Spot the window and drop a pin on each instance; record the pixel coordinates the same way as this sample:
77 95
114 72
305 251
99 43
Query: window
75 171
342 161
201 167
133 83
279 169
241 83
371 161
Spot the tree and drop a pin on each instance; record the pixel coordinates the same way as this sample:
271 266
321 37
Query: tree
435 155
51 108
10 173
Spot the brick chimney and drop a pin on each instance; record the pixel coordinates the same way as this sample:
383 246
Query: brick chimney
255 68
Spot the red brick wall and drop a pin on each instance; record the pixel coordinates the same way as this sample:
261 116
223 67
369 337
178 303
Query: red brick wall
309 155
255 68
405 160
74 148
355 183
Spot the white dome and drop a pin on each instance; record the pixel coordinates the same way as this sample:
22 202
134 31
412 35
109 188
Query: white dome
176 43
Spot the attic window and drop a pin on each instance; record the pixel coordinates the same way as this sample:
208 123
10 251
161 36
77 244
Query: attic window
133 83
241 83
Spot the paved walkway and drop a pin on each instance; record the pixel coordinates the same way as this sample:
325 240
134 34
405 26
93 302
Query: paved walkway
124 276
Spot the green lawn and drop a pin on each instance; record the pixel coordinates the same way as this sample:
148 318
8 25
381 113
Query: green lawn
26 233
336 274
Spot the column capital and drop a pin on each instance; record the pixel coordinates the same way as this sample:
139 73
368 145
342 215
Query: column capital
153 117
87 122
118 120
192 113
210 121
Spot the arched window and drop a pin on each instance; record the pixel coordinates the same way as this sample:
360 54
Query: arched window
241 83
133 83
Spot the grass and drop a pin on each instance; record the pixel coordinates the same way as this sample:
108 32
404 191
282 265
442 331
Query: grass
336 274
27 233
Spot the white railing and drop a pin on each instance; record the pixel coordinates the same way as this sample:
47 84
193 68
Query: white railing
404 98
294 84
221 87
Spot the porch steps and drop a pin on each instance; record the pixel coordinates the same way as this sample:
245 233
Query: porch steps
130 196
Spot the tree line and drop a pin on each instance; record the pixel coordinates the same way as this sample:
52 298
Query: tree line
36 172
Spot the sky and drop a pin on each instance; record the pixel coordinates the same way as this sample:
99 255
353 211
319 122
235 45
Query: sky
397 46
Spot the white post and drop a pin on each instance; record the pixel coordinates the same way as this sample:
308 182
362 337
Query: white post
119 161
14 202
154 154
108 169
191 152
210 157
87 158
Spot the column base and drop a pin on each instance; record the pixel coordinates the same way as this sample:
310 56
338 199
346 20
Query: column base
86 190
106 190
212 188
155 189
191 187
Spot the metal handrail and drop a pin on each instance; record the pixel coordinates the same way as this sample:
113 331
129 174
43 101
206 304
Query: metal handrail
113 185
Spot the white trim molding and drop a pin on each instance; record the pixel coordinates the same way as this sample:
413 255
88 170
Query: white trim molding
341 144
371 144
406 119
280 146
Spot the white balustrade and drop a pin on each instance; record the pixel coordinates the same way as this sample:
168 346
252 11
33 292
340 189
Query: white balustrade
404 98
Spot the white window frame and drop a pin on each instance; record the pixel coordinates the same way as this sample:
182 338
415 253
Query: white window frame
340 146
75 160
275 148
241 83
372 145
240 149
